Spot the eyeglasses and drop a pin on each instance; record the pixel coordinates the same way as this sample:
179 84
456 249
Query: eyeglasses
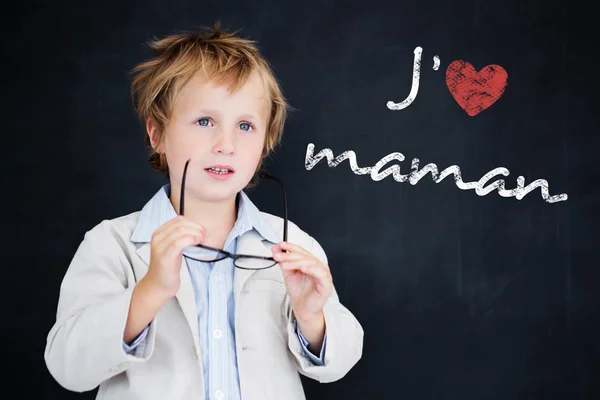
204 253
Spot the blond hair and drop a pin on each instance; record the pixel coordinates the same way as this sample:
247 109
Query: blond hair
225 59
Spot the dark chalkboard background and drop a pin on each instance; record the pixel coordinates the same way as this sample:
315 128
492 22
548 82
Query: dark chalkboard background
461 296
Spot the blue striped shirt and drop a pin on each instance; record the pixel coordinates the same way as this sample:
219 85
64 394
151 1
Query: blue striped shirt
213 290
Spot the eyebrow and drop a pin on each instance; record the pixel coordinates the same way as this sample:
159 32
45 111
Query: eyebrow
248 116
205 111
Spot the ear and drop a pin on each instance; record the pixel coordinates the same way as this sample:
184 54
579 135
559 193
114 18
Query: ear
153 134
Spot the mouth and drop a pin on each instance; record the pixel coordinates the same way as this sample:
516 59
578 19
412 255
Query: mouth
220 169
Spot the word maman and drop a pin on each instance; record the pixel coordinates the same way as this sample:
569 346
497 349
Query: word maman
416 175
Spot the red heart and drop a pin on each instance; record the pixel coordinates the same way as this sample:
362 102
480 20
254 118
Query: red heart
475 91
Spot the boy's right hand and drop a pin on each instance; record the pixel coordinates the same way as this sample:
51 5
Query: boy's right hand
167 243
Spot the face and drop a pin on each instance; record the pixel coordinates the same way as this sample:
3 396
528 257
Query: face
222 133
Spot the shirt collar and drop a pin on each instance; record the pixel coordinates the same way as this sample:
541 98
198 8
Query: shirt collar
159 210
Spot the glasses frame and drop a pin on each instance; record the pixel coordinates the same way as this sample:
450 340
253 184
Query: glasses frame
227 254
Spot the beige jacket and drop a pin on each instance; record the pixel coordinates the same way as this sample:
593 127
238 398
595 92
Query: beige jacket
84 347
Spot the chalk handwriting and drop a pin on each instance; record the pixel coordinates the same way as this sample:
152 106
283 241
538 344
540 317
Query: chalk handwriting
436 63
473 90
414 89
416 175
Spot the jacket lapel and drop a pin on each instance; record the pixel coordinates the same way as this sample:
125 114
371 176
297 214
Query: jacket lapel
185 295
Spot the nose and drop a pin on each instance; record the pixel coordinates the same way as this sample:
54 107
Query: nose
224 143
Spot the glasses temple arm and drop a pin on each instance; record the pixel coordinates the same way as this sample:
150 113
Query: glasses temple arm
264 175
182 195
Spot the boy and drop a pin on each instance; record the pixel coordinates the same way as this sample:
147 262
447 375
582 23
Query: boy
143 312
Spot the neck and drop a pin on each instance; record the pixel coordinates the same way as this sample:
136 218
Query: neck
218 218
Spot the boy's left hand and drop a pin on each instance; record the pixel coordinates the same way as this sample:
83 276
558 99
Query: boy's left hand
307 279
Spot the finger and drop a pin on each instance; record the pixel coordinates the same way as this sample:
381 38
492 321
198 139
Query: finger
191 223
278 249
290 247
175 223
196 235
285 257
177 227
176 246
321 277
308 266
164 230
294 259
315 270
296 264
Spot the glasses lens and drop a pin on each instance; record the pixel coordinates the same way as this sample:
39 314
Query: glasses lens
203 254
254 263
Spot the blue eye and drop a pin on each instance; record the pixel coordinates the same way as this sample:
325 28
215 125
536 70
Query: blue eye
245 126
203 122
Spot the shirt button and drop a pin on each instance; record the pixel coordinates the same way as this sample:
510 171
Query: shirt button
218 395
218 333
